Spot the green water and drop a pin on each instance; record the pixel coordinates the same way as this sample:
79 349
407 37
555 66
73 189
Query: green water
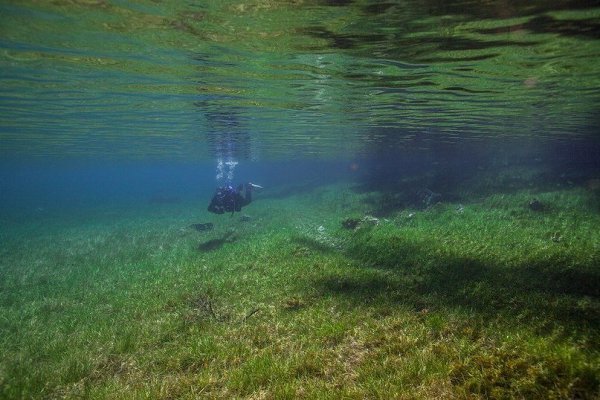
428 226
164 79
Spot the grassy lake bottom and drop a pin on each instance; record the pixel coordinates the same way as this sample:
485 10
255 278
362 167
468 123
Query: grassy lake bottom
328 292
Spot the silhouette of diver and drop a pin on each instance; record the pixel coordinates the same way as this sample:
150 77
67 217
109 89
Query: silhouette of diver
228 199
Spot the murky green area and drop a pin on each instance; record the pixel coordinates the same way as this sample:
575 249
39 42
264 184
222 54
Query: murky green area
162 79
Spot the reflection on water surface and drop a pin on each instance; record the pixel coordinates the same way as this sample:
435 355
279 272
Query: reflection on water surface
263 79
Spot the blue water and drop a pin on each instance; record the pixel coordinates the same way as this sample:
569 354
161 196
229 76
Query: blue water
107 103
42 187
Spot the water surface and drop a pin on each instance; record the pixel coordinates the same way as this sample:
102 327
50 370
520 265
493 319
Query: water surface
275 79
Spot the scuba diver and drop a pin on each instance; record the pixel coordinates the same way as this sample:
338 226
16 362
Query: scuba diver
228 199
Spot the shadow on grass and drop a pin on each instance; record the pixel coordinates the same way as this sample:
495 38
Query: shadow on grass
388 201
577 280
391 195
215 244
554 293
542 296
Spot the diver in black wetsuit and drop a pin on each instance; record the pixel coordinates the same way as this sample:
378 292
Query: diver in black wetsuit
228 199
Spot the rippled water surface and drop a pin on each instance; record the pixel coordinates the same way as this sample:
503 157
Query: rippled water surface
263 79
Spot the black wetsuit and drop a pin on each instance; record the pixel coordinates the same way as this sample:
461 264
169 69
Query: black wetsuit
227 199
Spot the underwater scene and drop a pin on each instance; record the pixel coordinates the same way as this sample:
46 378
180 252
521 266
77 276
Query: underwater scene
299 199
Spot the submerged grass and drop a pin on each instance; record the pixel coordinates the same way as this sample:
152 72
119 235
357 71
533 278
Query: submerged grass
487 299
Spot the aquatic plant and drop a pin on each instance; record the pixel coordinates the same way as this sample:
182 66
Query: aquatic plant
478 304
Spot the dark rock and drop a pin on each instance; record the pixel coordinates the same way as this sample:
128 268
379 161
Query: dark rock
208 226
351 223
429 198
536 205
